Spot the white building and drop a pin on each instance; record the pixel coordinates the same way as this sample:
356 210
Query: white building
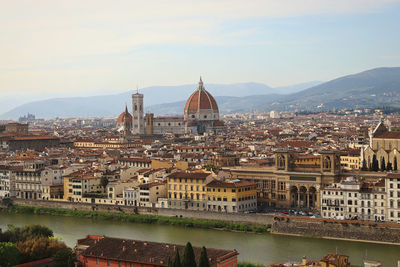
131 196
7 182
352 199
393 196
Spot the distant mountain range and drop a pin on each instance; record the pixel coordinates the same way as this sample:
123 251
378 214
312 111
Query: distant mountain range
113 105
373 88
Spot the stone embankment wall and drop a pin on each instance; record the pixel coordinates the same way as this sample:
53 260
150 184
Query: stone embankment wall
256 219
335 229
362 231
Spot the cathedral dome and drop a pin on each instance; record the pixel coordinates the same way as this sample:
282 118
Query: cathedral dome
201 99
121 117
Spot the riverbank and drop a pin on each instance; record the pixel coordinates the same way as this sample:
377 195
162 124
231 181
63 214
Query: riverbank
138 218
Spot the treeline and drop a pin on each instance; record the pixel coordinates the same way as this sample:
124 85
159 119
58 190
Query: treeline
30 243
375 167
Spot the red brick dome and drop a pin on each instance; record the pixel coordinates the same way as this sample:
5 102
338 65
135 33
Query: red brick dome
121 117
201 99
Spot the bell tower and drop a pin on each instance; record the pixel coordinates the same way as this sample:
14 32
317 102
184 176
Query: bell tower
137 113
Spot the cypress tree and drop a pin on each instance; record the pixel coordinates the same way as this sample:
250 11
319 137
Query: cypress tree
375 164
364 165
177 261
203 261
170 264
395 164
383 164
389 166
189 259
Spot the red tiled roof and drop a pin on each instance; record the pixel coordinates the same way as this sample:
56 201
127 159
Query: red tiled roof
194 175
389 135
146 252
219 183
201 99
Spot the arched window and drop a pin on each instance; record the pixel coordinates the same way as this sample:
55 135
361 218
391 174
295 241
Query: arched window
327 163
281 161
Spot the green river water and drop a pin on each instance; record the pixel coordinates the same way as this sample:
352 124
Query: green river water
258 248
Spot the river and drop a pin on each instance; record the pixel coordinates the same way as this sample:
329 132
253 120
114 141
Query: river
258 248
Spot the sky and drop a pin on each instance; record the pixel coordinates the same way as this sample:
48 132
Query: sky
74 48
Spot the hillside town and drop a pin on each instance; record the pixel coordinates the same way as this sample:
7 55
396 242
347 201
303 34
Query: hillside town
333 165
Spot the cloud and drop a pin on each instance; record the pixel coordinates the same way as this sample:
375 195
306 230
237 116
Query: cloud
42 35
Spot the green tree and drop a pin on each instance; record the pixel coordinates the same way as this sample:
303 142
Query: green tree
104 182
177 261
189 260
39 248
17 234
395 164
203 261
375 164
389 166
63 258
9 254
170 264
364 165
383 164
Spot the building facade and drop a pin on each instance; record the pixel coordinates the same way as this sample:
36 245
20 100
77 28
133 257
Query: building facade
231 196
188 190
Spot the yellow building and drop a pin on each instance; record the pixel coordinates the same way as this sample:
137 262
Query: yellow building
350 162
187 190
231 196
77 184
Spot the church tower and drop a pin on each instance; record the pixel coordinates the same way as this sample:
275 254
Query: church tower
137 114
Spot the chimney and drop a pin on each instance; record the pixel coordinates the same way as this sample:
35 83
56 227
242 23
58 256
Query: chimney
123 248
145 243
174 248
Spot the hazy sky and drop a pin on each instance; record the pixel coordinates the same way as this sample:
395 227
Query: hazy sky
78 47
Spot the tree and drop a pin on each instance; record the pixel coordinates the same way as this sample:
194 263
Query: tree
395 164
63 258
9 254
203 261
389 166
21 234
170 264
39 248
383 164
104 182
375 164
189 260
364 165
177 261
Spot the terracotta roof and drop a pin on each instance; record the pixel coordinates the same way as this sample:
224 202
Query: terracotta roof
393 175
201 99
145 252
194 175
389 135
219 183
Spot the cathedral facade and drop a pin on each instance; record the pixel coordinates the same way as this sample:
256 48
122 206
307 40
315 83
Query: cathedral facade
384 144
201 115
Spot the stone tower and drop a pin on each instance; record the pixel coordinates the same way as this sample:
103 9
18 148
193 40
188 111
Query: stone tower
137 114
